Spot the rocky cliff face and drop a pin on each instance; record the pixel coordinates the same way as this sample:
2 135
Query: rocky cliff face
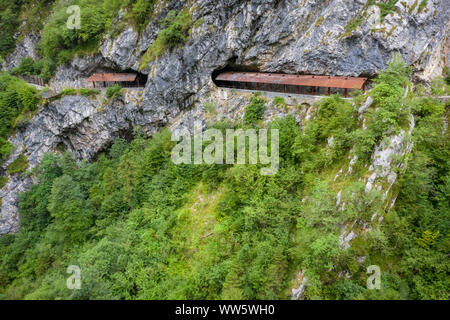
24 48
337 37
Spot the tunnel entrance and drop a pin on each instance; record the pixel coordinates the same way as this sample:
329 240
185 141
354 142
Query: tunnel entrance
232 66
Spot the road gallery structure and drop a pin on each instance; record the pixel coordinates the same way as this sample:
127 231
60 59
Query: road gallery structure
129 80
290 83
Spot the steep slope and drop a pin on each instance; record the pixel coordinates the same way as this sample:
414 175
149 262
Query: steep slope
364 155
333 37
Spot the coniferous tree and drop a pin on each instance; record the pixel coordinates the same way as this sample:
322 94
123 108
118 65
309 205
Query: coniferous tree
232 289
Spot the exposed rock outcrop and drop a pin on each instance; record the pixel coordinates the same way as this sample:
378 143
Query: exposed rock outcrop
24 48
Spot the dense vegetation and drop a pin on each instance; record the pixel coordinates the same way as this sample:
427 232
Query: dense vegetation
13 13
59 44
8 25
18 102
141 227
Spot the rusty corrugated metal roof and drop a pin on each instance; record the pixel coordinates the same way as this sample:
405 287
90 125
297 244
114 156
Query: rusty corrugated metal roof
112 77
291 79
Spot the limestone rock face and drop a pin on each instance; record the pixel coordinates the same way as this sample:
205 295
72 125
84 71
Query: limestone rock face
339 37
336 37
120 50
24 48
75 74
9 220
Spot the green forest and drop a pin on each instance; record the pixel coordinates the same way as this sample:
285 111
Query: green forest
141 227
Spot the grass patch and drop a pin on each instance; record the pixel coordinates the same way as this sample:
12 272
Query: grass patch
23 119
422 5
174 34
114 92
3 181
199 212
352 25
319 21
19 165
198 23
386 8
195 229
68 92
210 108
392 31
411 9
89 92
279 101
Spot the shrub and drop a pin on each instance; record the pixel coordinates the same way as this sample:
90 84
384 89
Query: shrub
26 67
114 92
6 148
422 5
390 112
141 11
43 68
46 67
89 92
64 57
279 101
68 92
3 181
22 120
61 44
174 34
364 144
19 165
16 97
446 74
439 87
28 96
334 115
56 38
255 110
